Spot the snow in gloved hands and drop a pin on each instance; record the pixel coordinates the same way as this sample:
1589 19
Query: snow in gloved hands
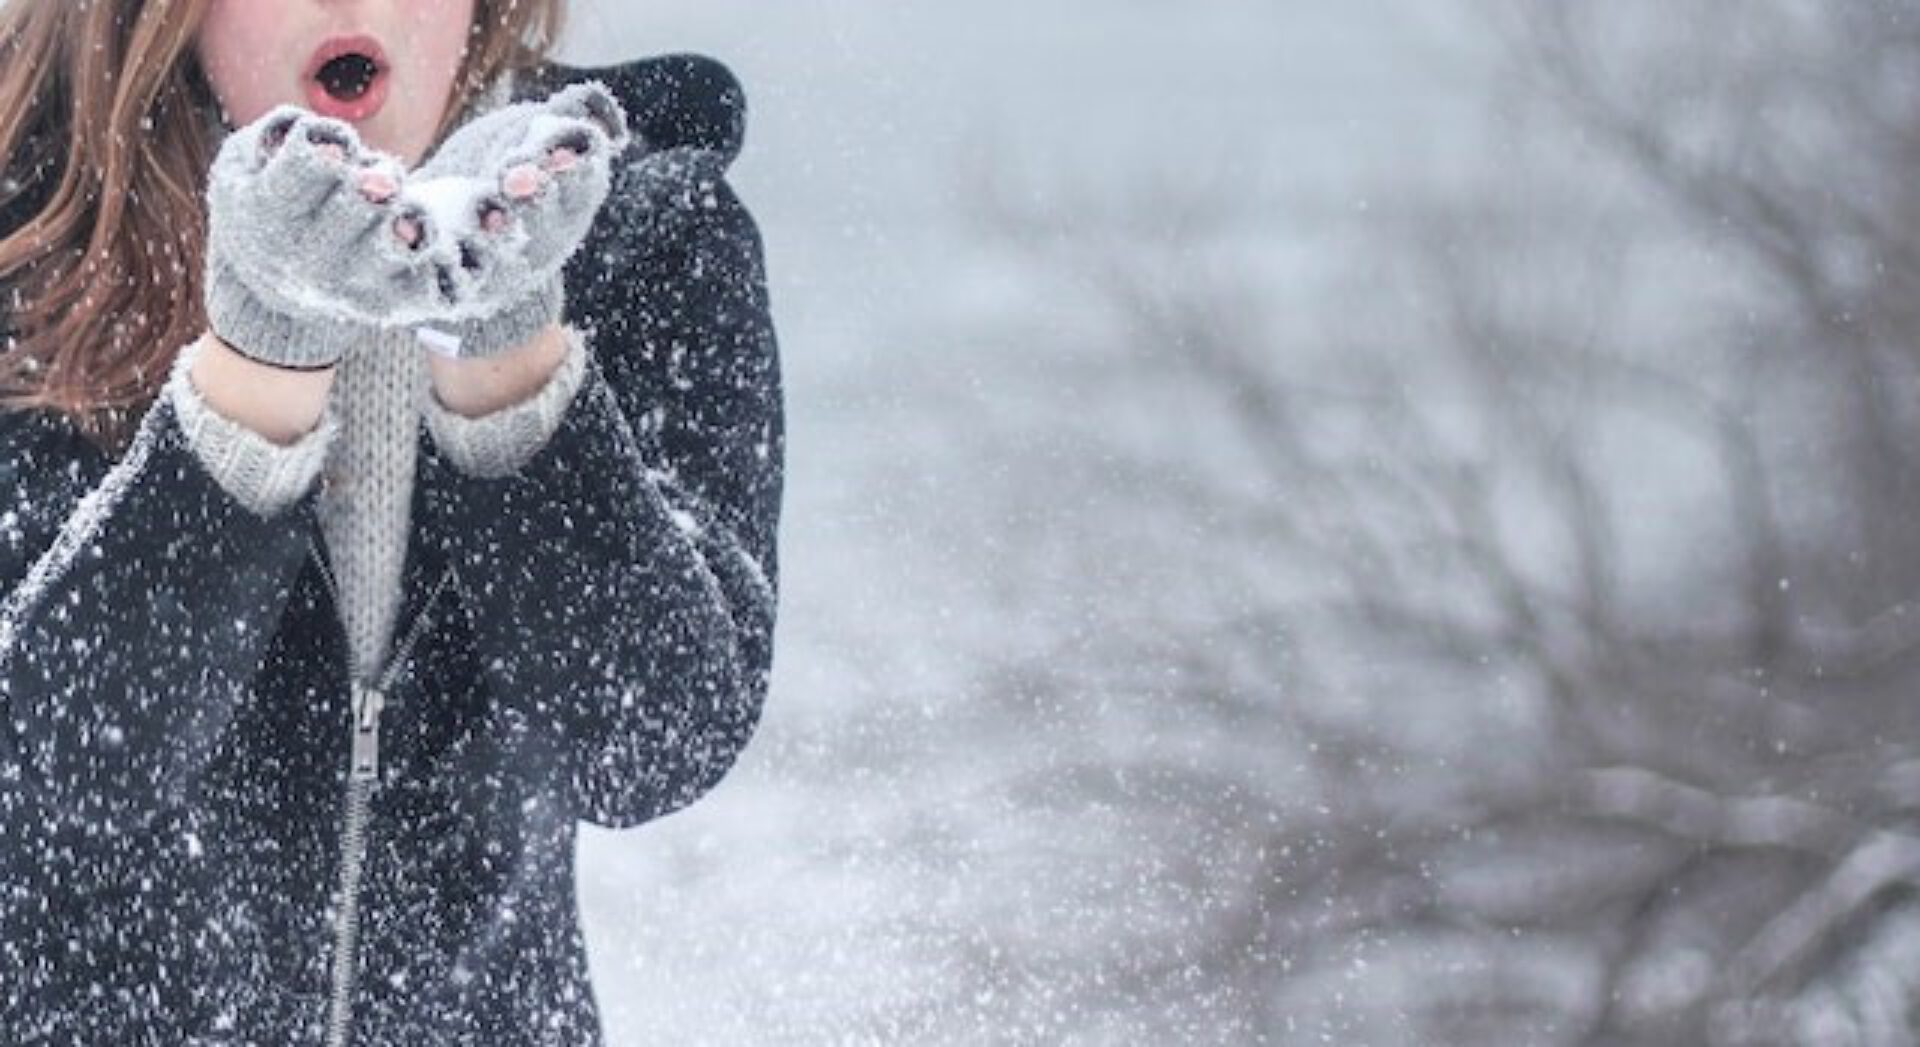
313 225
505 201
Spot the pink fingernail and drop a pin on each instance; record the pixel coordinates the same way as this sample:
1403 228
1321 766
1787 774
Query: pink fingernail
378 186
523 181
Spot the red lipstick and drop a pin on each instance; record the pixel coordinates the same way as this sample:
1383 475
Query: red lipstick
347 78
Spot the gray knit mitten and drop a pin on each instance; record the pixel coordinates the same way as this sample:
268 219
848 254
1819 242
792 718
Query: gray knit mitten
503 203
303 257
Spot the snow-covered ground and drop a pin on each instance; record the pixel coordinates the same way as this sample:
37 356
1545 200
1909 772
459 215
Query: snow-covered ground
825 891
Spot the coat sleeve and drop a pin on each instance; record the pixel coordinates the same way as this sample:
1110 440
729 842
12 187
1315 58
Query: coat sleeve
621 581
139 599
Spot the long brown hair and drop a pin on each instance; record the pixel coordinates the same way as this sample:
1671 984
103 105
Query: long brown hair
107 128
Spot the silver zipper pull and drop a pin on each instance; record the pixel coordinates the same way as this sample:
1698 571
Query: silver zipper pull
368 701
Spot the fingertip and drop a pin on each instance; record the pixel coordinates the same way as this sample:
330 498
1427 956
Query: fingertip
523 180
494 216
409 229
275 127
600 105
377 185
594 102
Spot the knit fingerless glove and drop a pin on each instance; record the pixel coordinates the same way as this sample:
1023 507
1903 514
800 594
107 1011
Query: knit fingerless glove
302 257
505 201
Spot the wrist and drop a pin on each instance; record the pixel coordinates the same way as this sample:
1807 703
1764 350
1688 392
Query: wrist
279 403
473 386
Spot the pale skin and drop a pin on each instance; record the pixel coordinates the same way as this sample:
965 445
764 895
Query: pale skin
284 405
253 55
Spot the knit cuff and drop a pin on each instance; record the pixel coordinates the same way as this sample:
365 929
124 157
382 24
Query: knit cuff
264 476
270 336
498 443
509 328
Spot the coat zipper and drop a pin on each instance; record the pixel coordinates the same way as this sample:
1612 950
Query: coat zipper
368 701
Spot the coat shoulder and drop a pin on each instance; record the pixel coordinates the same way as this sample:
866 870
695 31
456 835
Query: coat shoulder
671 100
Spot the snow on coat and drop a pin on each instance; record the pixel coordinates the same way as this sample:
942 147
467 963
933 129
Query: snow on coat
175 671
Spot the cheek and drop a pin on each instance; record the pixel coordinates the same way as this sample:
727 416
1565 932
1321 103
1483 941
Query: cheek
234 46
430 42
439 36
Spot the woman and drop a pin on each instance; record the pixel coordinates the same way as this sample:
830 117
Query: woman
344 574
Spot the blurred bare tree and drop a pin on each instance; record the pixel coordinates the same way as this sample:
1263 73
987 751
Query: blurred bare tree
1514 644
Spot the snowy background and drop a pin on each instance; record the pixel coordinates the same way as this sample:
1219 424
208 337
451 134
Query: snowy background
855 877
1349 522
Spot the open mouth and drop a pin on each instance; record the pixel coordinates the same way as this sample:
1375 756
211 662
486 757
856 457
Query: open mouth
347 78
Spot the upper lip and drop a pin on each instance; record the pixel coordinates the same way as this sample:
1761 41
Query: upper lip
335 46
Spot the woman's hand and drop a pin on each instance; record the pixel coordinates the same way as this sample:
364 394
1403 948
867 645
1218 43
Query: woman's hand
305 248
315 240
506 200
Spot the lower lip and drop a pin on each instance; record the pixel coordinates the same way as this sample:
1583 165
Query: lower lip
356 109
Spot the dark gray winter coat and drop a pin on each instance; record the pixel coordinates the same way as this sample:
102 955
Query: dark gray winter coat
175 749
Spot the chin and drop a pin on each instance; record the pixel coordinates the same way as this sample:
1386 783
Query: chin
387 141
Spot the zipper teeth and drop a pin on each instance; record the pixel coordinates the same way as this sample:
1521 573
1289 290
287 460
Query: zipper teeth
353 832
353 854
